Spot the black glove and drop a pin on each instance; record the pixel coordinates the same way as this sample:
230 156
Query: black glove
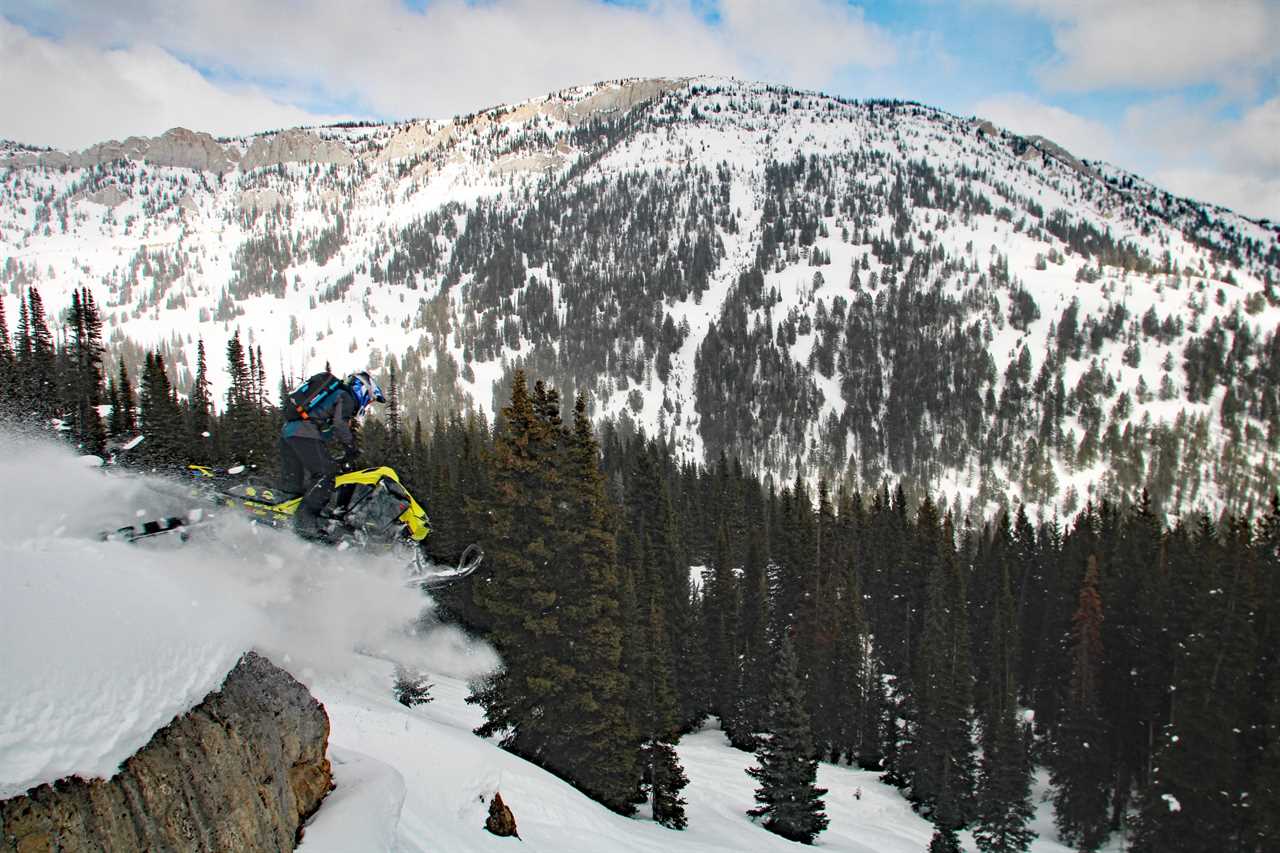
349 455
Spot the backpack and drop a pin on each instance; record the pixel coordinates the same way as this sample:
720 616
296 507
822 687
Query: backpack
315 398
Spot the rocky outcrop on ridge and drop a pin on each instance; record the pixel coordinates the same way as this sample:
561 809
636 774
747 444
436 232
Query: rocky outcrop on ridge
294 146
178 147
241 771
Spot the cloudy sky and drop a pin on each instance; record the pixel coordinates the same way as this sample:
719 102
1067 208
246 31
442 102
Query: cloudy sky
1184 92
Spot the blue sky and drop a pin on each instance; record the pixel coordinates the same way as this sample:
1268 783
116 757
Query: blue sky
1183 92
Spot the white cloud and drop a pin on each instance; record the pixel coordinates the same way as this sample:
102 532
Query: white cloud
72 94
1255 140
1027 116
804 42
1232 162
1159 44
453 57
1248 194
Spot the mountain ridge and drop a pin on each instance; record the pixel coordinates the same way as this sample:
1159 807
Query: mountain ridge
544 233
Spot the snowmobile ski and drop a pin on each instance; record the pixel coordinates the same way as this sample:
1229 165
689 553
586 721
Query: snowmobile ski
426 573
174 524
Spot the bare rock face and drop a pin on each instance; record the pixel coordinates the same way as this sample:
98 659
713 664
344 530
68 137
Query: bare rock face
619 98
187 149
1052 149
294 146
241 771
110 196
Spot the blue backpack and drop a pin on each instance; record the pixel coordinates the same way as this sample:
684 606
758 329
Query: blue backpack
315 398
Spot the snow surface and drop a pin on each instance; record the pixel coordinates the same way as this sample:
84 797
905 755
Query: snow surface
101 644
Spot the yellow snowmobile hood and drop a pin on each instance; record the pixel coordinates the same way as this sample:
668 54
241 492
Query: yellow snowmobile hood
415 517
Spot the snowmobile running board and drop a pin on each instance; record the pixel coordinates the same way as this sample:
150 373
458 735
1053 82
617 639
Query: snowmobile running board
420 576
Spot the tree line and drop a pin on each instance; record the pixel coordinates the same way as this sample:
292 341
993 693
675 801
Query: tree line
1134 660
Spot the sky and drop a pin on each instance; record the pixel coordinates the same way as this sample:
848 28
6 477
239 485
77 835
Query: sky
1185 93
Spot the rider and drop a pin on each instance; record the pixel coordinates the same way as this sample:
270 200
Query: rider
324 408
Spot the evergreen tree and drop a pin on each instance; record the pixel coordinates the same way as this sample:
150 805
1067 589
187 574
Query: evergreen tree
552 599
596 735
945 841
124 411
84 374
938 756
790 802
200 409
35 357
752 694
719 620
1004 806
8 365
1195 800
657 709
160 418
1079 768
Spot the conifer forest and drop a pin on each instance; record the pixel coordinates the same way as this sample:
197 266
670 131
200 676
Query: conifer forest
1134 662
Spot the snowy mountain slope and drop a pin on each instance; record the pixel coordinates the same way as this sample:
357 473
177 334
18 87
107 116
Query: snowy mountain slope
601 234
104 642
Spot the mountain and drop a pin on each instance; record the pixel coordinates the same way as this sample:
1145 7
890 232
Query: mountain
846 289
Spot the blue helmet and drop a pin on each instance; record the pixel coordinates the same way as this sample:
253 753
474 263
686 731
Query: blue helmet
365 389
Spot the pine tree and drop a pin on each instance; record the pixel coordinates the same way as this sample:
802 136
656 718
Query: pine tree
36 356
657 710
1004 806
517 595
159 416
651 520
1079 766
1194 800
553 602
938 755
124 410
752 694
84 374
8 366
200 407
241 429
719 620
595 730
790 802
945 841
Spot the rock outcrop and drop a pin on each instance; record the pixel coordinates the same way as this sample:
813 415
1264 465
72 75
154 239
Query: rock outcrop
294 146
188 149
178 147
241 771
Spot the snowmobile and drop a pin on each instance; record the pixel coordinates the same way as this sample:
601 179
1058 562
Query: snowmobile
369 509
